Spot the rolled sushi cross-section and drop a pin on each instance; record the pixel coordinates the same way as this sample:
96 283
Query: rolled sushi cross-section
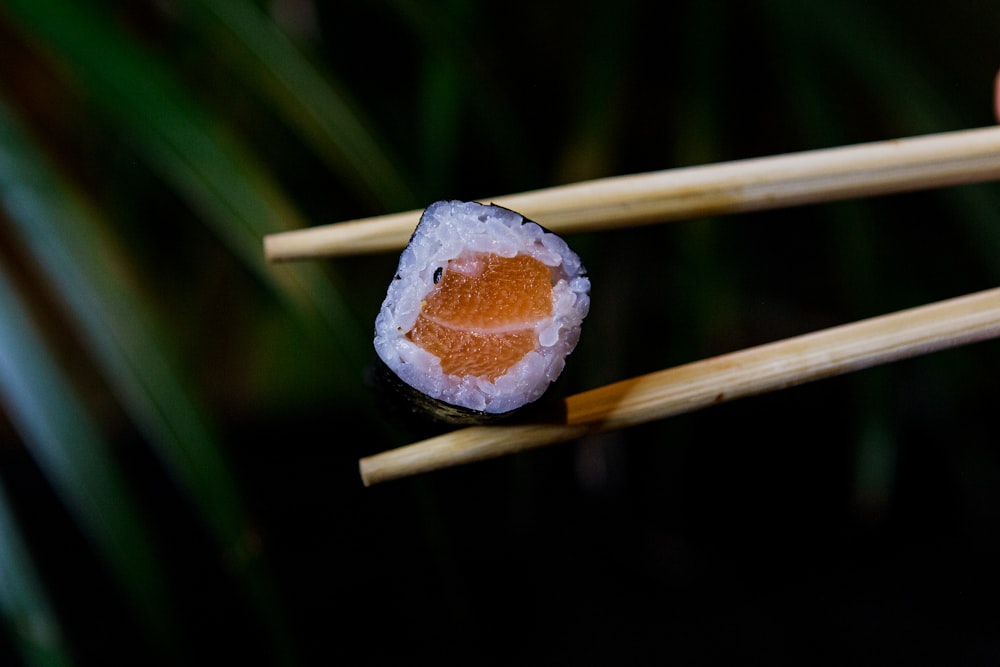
484 309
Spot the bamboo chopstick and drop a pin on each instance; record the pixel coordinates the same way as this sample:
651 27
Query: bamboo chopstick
914 163
693 386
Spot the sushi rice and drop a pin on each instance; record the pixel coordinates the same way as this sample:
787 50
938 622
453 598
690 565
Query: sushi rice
454 231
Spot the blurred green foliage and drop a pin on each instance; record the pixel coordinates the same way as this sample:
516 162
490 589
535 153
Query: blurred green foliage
182 420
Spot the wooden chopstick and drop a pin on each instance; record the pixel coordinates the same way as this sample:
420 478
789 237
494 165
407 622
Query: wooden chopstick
915 163
883 167
700 384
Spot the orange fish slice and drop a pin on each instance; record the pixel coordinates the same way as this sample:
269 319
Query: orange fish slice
480 318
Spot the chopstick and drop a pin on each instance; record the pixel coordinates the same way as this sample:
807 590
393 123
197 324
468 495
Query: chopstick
883 167
756 370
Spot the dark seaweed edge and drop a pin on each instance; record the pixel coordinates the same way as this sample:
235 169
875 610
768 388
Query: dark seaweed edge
415 410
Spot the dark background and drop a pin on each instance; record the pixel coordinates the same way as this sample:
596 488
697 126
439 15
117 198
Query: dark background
848 521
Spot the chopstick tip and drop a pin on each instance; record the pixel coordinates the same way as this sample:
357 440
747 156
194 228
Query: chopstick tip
365 470
272 252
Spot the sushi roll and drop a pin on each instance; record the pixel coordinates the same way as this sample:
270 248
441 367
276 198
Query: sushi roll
483 310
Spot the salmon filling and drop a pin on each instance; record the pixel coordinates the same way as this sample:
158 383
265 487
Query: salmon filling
480 318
